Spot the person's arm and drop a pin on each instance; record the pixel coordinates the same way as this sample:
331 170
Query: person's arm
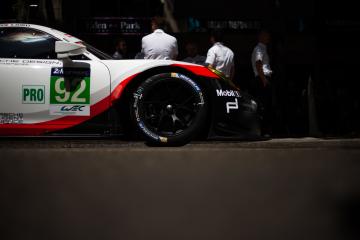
259 68
176 51
142 47
210 59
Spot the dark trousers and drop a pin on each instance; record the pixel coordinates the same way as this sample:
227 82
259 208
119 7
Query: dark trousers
263 96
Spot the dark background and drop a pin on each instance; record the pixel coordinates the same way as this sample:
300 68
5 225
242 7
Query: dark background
317 39
98 189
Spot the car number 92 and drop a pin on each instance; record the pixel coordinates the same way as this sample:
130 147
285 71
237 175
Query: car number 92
70 88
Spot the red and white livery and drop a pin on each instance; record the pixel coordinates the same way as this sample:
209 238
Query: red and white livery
53 83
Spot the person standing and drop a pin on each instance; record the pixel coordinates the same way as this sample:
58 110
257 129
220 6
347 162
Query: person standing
261 86
159 45
219 56
120 50
193 55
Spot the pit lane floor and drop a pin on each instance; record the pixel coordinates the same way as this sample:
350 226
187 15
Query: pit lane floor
88 143
108 189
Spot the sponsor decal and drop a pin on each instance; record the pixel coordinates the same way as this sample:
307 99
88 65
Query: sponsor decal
70 91
138 96
147 131
193 84
232 106
15 25
227 93
25 62
115 25
187 79
11 118
234 25
39 61
74 110
33 94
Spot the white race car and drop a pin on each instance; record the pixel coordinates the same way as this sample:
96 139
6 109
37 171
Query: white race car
52 83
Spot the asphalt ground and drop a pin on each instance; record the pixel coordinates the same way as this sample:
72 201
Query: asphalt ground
109 189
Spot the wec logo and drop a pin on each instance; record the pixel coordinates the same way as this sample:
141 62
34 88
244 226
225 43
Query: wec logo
72 108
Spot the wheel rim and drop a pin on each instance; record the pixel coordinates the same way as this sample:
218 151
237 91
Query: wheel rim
170 107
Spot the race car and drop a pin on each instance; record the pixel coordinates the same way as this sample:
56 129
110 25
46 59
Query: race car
54 84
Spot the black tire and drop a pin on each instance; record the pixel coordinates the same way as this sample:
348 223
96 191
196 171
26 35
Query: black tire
169 109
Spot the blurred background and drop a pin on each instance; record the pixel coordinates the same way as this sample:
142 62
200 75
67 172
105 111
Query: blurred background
314 51
71 189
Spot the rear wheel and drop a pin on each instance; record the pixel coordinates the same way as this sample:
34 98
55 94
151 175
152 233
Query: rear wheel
169 109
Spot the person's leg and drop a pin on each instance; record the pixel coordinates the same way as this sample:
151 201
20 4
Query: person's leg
263 96
256 89
266 99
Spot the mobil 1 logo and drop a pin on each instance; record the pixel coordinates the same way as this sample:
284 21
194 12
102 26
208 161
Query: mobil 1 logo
33 94
70 91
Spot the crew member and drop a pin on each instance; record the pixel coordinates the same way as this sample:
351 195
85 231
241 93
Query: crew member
159 45
219 56
193 55
261 87
121 50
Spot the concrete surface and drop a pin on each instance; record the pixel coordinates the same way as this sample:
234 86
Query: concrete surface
108 189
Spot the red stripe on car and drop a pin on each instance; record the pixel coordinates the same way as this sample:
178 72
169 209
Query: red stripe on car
198 70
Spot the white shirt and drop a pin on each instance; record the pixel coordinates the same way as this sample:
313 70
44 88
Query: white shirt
117 55
198 59
139 55
221 58
159 45
260 54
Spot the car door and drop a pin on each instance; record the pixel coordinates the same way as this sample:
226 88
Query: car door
26 58
38 92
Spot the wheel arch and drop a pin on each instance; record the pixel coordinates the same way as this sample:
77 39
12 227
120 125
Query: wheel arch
139 78
122 103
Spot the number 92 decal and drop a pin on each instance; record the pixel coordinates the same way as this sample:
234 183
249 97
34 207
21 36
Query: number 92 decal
70 86
70 91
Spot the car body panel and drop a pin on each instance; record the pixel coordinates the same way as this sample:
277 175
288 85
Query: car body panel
102 83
